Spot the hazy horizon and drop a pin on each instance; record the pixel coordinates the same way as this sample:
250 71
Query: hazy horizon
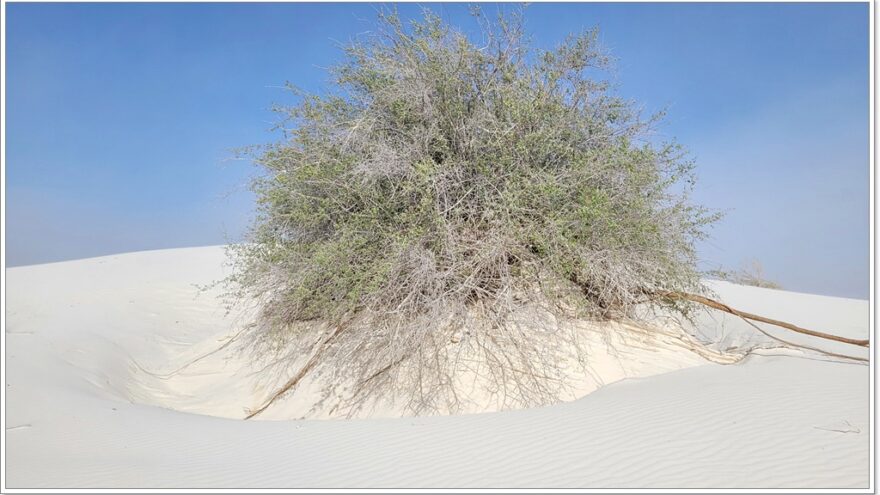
121 119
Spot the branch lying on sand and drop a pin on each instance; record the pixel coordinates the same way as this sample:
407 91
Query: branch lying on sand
300 375
313 361
802 346
165 376
742 314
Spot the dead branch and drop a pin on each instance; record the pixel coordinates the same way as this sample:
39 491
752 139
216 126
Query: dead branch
742 314
165 376
299 375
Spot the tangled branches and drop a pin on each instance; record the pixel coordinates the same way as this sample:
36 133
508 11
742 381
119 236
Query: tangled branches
450 204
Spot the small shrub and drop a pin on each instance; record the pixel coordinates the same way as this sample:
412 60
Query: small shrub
751 273
444 186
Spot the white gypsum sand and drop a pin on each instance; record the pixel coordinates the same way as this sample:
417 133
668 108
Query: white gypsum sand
93 399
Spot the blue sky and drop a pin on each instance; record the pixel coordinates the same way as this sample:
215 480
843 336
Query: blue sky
121 119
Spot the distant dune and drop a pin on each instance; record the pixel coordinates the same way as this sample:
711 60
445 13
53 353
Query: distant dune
98 397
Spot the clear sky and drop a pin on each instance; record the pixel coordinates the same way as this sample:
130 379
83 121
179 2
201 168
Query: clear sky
121 119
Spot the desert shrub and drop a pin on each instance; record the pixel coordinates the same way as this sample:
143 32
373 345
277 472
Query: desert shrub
751 273
443 186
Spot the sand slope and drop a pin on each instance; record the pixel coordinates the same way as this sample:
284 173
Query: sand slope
82 410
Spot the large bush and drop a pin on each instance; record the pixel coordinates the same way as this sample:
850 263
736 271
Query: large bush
445 186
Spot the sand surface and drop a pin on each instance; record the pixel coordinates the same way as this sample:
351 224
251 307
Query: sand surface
94 399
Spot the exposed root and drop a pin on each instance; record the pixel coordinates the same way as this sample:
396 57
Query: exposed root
749 316
681 339
684 340
810 348
312 362
165 376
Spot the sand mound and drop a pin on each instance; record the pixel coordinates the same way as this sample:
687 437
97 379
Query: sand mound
94 345
137 328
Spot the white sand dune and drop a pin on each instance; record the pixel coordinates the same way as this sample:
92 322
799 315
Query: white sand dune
93 400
